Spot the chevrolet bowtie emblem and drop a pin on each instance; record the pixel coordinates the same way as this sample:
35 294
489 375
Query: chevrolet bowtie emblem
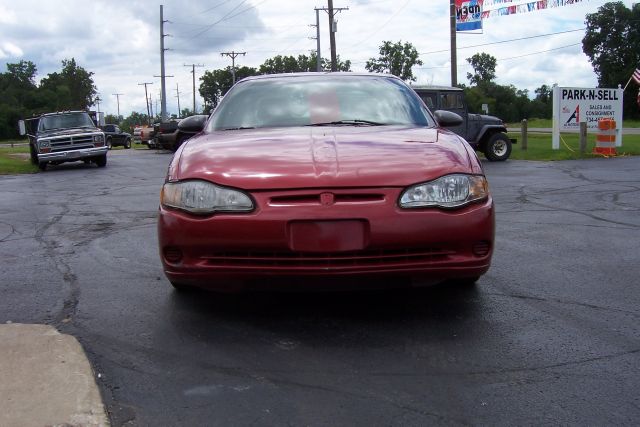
327 199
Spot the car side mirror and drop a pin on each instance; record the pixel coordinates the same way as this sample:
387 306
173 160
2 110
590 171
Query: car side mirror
193 123
22 128
447 118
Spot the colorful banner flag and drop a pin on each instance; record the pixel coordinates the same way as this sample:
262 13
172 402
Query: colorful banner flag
468 15
493 8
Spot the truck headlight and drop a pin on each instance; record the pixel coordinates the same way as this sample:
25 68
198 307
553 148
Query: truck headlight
44 144
202 197
449 191
98 138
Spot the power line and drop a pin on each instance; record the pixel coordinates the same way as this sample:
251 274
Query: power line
383 25
504 41
507 59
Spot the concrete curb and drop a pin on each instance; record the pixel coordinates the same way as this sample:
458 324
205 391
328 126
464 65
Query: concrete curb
46 379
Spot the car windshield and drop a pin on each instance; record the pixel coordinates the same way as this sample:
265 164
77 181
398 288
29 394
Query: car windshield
319 101
65 121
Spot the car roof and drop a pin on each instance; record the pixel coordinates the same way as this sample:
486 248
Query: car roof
316 74
436 88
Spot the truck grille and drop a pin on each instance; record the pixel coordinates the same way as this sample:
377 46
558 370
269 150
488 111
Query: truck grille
75 142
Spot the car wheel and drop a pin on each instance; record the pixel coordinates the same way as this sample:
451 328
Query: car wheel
498 147
127 143
42 166
101 161
109 146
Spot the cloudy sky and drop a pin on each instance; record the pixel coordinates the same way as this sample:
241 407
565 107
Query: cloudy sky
119 40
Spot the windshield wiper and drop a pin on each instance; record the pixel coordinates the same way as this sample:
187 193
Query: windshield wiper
354 122
239 128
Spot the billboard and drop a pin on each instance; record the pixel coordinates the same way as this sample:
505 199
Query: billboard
572 105
468 15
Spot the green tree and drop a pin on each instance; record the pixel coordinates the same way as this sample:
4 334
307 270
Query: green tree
303 63
611 41
71 89
133 120
484 68
18 97
542 104
395 58
215 84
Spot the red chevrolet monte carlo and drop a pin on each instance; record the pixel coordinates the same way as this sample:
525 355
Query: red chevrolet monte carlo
332 178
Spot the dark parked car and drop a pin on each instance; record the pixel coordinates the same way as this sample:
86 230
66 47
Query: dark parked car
485 133
172 134
116 137
304 177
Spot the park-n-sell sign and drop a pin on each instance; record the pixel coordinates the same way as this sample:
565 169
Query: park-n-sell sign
575 105
588 105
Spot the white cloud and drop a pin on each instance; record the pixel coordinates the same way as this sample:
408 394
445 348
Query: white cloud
10 50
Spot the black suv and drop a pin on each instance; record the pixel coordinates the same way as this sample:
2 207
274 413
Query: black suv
485 133
115 136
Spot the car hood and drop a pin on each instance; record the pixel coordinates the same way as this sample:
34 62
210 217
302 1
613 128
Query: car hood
323 157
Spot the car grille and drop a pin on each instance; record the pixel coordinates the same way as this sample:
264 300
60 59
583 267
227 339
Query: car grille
401 257
71 143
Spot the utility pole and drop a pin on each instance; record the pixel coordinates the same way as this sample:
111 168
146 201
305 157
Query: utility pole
150 104
98 99
193 71
163 100
118 95
146 98
317 37
178 96
454 56
333 28
233 55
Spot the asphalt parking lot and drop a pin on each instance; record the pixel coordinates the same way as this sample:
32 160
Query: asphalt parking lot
548 336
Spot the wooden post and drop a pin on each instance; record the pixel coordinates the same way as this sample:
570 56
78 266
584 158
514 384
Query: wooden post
583 138
523 135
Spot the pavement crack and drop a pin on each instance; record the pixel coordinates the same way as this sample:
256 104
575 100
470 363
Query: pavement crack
70 303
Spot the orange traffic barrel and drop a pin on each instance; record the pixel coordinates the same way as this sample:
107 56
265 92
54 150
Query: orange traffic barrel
606 137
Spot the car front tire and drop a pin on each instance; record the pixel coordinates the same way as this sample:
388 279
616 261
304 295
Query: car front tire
498 147
109 145
127 143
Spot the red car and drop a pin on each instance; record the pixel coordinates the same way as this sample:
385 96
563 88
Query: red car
322 177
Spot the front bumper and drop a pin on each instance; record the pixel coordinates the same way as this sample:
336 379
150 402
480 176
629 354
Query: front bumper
71 155
300 238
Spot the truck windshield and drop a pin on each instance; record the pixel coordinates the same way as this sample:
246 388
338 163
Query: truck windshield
65 121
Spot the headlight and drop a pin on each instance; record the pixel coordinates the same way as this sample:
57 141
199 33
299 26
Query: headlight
202 197
449 191
98 138
44 144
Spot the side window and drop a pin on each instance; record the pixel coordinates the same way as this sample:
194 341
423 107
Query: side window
430 100
451 100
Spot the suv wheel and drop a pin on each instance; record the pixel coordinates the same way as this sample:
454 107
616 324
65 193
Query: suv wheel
127 143
498 147
42 166
109 146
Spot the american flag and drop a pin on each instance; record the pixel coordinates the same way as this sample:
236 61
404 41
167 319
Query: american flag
636 75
